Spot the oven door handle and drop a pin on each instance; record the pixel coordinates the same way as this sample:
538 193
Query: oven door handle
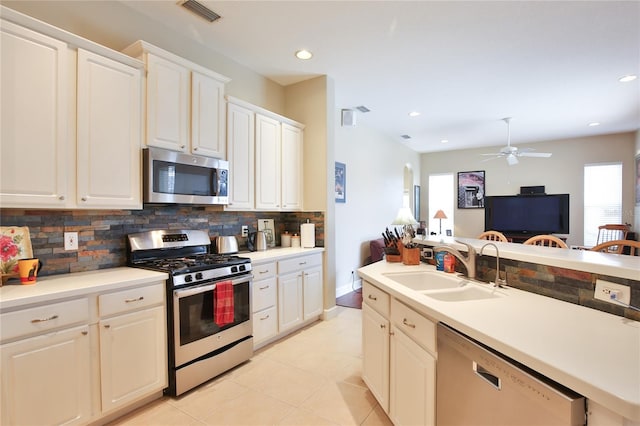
193 290
190 291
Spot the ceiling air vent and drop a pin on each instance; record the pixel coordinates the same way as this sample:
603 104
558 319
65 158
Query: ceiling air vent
362 108
405 136
200 10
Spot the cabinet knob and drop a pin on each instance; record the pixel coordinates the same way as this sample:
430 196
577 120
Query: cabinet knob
182 146
195 148
107 326
84 198
383 326
61 198
372 297
84 333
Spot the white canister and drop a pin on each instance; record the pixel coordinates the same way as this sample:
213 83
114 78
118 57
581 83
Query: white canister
285 240
295 240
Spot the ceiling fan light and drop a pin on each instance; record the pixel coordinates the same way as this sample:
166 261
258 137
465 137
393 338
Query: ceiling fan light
512 160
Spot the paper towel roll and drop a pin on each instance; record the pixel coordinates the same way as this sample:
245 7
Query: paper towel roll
308 235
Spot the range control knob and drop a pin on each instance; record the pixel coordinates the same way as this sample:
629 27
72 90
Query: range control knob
188 278
198 275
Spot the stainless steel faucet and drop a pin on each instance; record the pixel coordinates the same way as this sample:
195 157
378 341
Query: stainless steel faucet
499 282
469 262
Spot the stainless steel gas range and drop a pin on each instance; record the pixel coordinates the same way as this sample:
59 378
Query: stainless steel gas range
201 346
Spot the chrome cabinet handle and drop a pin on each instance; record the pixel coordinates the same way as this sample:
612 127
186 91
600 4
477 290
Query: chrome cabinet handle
372 297
134 300
407 323
383 326
264 272
107 326
264 318
37 320
263 288
302 263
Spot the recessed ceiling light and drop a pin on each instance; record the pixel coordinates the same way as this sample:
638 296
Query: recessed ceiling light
594 124
444 141
627 78
414 114
304 54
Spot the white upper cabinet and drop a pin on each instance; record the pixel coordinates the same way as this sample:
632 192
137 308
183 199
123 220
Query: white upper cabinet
34 156
265 159
185 103
240 154
167 104
71 130
268 159
109 132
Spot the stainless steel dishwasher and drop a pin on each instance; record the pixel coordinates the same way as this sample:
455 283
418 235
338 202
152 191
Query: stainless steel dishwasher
478 386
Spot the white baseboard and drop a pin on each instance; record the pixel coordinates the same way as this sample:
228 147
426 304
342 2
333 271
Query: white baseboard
347 288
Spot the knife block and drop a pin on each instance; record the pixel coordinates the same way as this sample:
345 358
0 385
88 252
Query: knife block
411 256
395 257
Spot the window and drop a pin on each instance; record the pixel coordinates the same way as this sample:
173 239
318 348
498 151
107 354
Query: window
441 197
602 198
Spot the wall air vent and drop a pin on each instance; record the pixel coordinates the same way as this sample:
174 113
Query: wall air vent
200 10
362 108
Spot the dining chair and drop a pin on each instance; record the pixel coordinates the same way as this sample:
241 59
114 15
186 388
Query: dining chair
610 232
546 240
619 247
493 236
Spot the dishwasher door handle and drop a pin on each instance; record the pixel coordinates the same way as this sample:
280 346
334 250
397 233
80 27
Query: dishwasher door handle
485 375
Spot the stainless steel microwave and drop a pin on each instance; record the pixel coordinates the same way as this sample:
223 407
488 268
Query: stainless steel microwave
178 178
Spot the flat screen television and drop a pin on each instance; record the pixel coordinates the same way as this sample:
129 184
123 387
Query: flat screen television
527 214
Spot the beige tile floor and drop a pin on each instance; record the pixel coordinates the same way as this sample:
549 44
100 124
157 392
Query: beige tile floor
312 377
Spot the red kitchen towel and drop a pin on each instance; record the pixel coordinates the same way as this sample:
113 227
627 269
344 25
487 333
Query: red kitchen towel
223 303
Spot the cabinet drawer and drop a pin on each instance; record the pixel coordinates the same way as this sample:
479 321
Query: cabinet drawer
264 270
265 325
265 294
414 325
43 318
376 298
298 263
131 299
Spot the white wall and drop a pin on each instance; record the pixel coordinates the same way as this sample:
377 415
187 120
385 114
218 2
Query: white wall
374 186
562 173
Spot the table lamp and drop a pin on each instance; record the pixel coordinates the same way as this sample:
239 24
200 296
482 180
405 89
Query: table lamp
440 215
406 219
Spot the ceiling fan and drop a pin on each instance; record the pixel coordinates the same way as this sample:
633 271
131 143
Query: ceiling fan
511 153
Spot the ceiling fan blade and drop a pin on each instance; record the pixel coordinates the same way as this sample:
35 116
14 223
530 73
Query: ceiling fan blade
497 154
535 154
489 159
512 159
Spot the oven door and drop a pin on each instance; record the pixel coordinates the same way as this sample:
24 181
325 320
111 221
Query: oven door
195 331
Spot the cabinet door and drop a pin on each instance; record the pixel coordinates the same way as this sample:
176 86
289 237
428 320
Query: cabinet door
207 116
34 158
47 379
412 382
240 154
292 175
168 93
133 359
109 133
289 301
312 292
375 350
267 163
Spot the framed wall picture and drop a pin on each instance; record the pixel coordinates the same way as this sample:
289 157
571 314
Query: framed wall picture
341 183
471 190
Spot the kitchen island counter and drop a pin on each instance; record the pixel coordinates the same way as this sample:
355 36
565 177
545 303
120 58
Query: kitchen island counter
594 353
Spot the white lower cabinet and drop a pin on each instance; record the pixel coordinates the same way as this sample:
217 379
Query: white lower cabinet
47 379
399 351
286 295
48 371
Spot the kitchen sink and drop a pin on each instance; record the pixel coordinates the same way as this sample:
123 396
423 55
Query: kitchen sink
426 280
463 294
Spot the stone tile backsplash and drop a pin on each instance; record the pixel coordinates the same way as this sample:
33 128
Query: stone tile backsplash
102 233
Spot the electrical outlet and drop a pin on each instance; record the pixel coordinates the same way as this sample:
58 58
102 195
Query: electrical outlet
610 292
245 231
71 241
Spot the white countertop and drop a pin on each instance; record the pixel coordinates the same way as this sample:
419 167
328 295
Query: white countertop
592 352
614 265
13 294
277 253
